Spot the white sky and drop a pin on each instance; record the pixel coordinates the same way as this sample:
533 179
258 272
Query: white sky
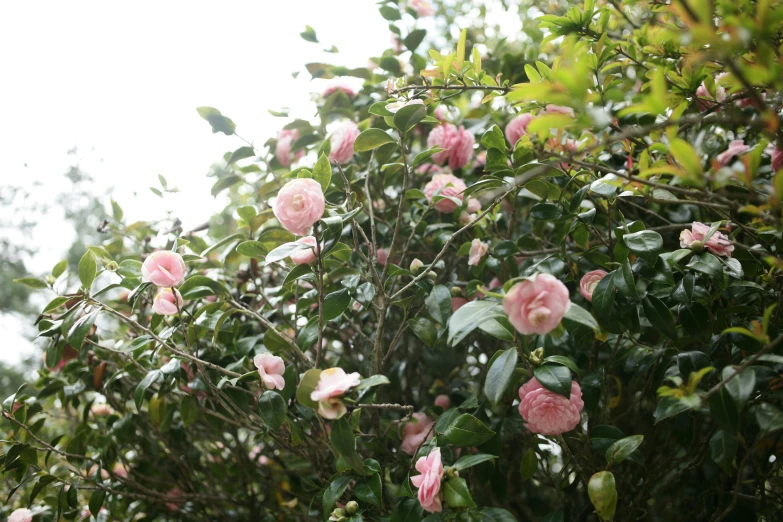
121 82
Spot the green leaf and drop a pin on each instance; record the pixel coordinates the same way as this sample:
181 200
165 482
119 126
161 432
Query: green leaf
468 461
336 303
424 329
669 407
308 35
470 316
686 156
130 268
369 489
529 465
56 303
189 410
546 212
456 493
217 121
148 380
409 116
59 268
564 361
414 39
239 154
622 449
554 378
505 249
254 249
624 281
322 172
659 316
201 286
344 442
696 320
96 501
79 330
407 510
88 268
32 282
494 139
424 156
467 430
272 408
494 514
390 13
499 375
372 381
602 491
723 448
724 410
740 387
579 315
769 417
306 386
459 59
692 362
708 264
439 304
646 243
335 490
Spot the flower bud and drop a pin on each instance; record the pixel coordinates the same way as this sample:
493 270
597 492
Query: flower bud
432 275
50 279
537 356
456 291
697 246
112 266
352 507
416 265
452 472
338 515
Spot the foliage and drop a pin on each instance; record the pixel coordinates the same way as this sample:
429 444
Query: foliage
644 174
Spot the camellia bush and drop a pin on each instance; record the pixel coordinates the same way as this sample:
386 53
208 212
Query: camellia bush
533 278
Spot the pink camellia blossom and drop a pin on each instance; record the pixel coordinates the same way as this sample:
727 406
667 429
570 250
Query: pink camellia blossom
465 218
705 100
334 382
383 256
458 143
736 147
429 168
718 243
21 515
270 369
517 127
443 401
457 303
481 160
431 469
445 185
588 283
120 470
558 109
422 7
418 430
168 301
163 268
396 106
305 256
174 499
332 409
537 305
299 204
478 249
101 409
441 113
547 412
342 139
285 140
474 205
338 85
776 157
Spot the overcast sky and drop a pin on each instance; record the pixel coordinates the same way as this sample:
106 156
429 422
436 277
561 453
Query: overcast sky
120 82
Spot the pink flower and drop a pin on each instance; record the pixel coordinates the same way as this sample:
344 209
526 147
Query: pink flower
474 205
429 168
299 204
271 369
495 283
101 409
558 109
120 470
334 382
517 127
445 185
285 140
457 142
547 412
718 244
396 106
705 100
168 301
481 160
416 432
777 159
441 113
736 147
422 7
342 139
21 515
478 249
163 268
431 469
331 408
537 305
465 218
443 401
588 283
338 85
457 303
174 500
305 256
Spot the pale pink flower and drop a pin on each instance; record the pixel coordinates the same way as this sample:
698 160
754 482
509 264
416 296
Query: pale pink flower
457 142
547 412
441 113
305 256
383 256
474 205
342 140
396 44
465 218
443 401
21 515
416 432
445 185
481 160
517 127
776 157
495 283
429 168
422 7
719 244
331 408
271 369
338 85
705 100
285 140
457 303
167 301
120 470
431 469
416 265
537 305
163 268
588 283
750 102
396 106
478 249
558 109
736 147
334 382
101 409
299 204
